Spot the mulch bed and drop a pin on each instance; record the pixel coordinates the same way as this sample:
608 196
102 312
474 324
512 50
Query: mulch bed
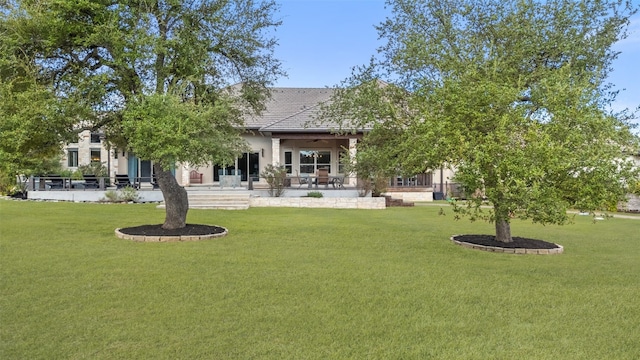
188 230
518 242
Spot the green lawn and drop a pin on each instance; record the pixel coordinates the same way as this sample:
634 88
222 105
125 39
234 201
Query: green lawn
310 284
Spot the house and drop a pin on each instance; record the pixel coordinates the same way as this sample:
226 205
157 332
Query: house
90 148
286 133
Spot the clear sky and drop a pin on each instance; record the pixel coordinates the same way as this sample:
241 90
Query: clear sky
321 40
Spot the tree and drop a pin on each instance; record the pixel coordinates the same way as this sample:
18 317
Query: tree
513 94
31 122
157 76
360 108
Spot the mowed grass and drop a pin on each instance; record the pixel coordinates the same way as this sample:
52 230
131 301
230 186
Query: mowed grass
310 284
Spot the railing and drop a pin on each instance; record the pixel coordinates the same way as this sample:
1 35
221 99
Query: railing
417 181
307 182
57 182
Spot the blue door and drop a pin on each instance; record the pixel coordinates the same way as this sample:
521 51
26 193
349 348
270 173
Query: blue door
132 169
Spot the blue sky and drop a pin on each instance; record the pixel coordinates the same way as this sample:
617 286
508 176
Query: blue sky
321 40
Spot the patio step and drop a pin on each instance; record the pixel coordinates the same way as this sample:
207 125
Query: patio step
390 201
218 201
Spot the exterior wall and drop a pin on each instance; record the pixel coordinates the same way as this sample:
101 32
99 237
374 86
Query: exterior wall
122 163
89 195
264 145
257 144
332 203
411 196
443 176
84 146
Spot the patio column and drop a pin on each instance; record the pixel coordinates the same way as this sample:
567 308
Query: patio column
184 174
275 151
352 178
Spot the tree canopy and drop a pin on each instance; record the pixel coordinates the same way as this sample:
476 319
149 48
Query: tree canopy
156 76
32 124
512 94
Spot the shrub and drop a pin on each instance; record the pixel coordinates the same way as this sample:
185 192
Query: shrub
275 176
314 194
127 194
6 183
110 196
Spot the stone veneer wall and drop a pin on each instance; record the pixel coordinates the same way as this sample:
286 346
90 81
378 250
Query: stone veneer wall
328 202
411 196
632 204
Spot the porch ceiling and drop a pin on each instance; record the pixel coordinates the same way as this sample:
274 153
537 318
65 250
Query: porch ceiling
314 136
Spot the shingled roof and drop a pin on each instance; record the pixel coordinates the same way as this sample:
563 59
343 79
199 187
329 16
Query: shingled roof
291 110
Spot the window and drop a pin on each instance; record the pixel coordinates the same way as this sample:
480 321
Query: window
95 155
72 157
246 166
343 157
288 163
312 160
95 138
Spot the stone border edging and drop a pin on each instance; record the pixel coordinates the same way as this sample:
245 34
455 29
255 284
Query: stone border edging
145 238
558 250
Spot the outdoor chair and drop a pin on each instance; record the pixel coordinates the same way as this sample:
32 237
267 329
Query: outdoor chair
337 182
303 179
154 182
195 177
323 177
122 181
91 182
56 182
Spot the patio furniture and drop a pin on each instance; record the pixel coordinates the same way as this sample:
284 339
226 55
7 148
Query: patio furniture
55 182
337 181
122 181
154 182
303 179
323 177
91 182
195 177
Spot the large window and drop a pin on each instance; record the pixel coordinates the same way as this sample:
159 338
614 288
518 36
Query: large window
72 157
246 166
312 160
95 155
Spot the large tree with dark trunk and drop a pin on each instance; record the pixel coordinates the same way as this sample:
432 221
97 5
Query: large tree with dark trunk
157 76
512 94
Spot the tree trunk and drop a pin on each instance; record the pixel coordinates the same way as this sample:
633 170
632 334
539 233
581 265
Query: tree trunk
503 230
175 199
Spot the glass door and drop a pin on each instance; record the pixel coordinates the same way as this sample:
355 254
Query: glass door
247 165
145 170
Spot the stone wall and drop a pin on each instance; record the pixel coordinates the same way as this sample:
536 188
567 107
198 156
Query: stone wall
328 202
411 196
89 195
632 205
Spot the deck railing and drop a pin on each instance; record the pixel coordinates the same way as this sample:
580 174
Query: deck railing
57 182
417 181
